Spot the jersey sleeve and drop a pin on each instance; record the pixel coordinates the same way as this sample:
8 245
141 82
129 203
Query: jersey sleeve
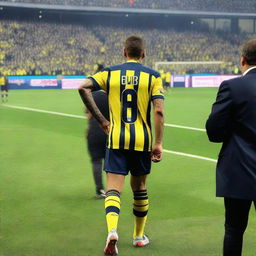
157 90
99 80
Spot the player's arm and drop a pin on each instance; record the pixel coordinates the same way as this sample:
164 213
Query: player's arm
157 150
85 91
87 113
157 97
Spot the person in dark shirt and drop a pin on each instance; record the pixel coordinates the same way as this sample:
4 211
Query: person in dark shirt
96 141
4 88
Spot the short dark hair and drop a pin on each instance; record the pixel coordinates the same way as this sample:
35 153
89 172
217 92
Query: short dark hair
249 51
134 46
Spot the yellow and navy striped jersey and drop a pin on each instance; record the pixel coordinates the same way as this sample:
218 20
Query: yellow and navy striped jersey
2 81
130 87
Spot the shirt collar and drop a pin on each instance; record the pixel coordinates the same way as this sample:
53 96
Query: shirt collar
135 61
249 69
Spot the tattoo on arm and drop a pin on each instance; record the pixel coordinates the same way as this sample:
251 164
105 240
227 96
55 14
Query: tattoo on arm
85 91
159 106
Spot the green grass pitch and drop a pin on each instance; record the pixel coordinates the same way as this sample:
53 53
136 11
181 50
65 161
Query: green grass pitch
47 187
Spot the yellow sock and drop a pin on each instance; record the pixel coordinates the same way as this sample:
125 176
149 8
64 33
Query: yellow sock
112 206
140 210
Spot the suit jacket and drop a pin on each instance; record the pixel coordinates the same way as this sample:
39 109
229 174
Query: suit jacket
233 122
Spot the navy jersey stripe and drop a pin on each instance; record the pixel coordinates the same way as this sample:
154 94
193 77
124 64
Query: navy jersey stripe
132 127
108 81
111 132
146 139
149 83
149 114
149 103
132 137
122 132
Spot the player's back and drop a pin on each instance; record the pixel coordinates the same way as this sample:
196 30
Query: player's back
130 87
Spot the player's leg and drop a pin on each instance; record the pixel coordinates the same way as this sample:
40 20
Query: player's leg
236 219
115 184
112 205
166 86
116 167
96 143
6 96
140 209
2 95
97 175
140 168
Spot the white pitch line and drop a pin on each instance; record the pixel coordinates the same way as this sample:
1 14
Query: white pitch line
44 111
185 127
83 117
190 155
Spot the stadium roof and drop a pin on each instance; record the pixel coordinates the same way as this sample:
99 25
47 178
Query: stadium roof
124 10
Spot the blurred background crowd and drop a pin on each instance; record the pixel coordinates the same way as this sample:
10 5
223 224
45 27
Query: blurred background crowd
200 5
46 48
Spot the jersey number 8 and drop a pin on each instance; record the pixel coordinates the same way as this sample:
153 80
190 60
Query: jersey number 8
129 106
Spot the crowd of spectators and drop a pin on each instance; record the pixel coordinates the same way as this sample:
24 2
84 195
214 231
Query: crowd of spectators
37 48
199 5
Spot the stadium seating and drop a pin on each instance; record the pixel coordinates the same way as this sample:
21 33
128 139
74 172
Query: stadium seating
201 5
49 48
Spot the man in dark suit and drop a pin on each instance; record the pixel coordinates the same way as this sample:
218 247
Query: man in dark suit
233 122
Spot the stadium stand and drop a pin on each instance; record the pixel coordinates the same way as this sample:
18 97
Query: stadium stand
35 48
199 5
